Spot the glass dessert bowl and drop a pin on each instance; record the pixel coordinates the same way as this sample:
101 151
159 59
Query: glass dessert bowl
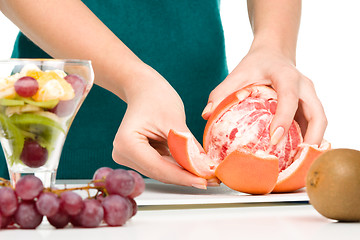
39 99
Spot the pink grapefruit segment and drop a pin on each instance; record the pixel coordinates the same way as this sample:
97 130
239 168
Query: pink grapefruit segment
249 173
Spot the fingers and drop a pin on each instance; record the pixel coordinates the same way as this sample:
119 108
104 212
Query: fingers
316 126
213 182
236 80
311 109
314 113
287 105
150 163
133 150
223 90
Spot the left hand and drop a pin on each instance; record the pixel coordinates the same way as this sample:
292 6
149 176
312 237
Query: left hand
296 93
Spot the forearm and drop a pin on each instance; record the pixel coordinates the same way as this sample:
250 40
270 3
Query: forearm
79 34
275 24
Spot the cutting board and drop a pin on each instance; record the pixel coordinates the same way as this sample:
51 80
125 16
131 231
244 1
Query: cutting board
158 193
161 194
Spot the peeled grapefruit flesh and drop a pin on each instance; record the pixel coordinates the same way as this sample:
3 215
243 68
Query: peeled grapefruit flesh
237 147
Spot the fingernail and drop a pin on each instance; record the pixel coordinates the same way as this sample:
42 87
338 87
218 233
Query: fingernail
207 109
200 186
242 94
277 135
213 184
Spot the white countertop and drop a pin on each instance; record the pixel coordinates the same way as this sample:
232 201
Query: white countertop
224 214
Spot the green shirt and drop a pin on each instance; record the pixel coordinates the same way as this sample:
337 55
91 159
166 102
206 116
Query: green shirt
182 40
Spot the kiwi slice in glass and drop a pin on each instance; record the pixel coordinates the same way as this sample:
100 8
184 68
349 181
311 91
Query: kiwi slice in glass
13 134
32 119
46 104
11 102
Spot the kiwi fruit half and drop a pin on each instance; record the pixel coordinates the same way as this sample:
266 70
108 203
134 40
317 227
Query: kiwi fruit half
333 184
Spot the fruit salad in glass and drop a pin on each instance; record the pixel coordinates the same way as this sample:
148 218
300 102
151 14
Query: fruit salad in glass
38 102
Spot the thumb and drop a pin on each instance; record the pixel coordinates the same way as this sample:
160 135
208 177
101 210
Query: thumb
178 125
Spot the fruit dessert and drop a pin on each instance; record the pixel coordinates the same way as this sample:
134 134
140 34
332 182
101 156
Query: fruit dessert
237 147
36 109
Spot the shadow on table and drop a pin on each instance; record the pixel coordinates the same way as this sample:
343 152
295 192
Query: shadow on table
176 189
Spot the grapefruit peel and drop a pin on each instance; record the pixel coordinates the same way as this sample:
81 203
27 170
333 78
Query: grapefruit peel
190 155
294 177
249 173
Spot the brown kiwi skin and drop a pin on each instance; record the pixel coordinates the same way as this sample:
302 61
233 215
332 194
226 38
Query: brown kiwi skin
333 184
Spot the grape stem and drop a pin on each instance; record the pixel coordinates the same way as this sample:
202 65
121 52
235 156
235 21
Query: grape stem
6 183
86 188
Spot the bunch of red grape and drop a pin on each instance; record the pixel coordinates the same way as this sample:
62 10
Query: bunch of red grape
27 204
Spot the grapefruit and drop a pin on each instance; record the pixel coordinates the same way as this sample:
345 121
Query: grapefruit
237 148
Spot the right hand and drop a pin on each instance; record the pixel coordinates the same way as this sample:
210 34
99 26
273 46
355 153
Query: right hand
154 108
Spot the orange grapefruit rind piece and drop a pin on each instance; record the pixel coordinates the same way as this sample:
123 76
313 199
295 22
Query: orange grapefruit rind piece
242 171
189 154
249 173
294 177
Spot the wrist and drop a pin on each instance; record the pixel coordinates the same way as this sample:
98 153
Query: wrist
125 77
277 45
137 81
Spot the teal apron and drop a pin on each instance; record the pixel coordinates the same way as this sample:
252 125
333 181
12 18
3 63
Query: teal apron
182 40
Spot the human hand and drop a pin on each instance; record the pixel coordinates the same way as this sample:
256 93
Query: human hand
141 141
296 93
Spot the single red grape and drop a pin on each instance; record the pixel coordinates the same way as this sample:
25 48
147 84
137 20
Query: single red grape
101 174
117 210
120 182
4 221
71 203
59 220
75 220
92 213
8 201
27 216
77 83
26 86
139 184
134 206
29 187
33 154
48 204
64 108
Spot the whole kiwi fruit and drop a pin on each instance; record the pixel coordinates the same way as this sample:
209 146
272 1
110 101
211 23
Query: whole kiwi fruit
333 184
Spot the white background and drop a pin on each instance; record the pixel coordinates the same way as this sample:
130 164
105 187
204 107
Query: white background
328 53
